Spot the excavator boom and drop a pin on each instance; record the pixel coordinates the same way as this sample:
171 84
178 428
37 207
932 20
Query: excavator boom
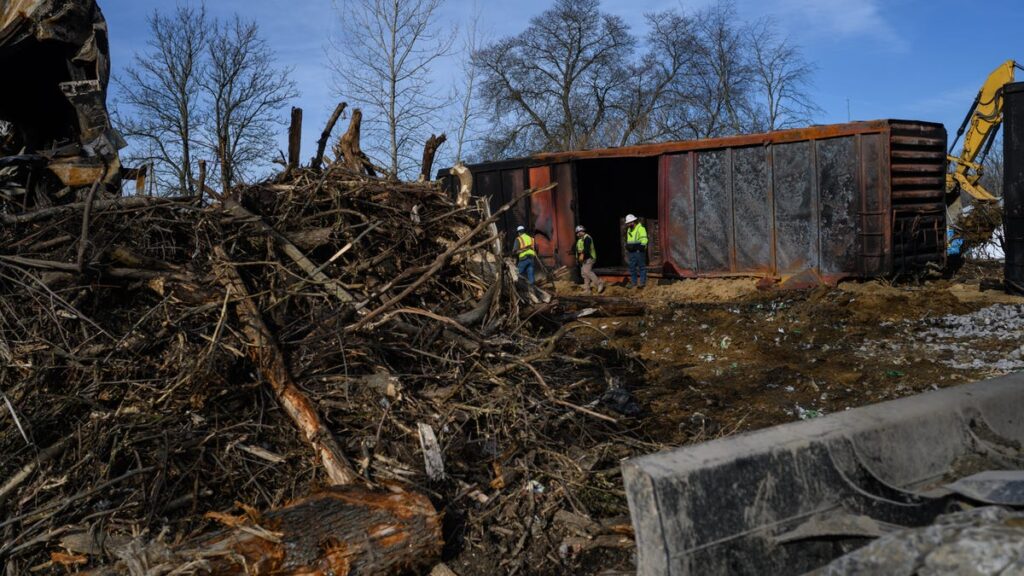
984 117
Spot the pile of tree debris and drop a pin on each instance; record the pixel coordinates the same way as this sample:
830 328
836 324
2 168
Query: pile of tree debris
322 371
980 226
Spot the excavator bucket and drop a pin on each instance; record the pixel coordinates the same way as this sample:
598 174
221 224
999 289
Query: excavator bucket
790 499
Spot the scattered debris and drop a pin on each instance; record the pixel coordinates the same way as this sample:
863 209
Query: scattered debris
170 359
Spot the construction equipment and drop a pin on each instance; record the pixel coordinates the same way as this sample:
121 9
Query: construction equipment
984 117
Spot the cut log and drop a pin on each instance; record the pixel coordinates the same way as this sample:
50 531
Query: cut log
343 531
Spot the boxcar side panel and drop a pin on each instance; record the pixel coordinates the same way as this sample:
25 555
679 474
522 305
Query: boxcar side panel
676 213
713 215
752 209
795 221
837 185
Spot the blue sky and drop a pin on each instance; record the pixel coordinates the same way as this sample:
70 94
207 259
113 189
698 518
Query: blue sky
911 59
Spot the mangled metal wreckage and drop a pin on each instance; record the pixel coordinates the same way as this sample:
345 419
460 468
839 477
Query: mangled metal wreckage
55 132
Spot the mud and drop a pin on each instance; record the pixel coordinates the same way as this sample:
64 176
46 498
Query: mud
723 357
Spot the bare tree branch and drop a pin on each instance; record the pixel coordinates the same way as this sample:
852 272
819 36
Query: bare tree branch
383 61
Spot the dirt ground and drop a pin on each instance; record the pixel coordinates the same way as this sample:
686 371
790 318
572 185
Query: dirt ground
720 356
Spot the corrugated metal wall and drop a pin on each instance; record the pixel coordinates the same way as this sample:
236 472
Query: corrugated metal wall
861 199
775 209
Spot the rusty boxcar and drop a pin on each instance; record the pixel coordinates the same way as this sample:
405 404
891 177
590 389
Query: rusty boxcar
861 199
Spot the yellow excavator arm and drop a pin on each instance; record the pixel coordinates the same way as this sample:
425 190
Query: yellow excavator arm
984 118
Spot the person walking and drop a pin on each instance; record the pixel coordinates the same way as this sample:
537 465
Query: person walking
525 250
636 249
586 255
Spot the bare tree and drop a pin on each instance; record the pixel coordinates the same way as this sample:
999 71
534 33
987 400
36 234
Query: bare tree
657 83
571 79
721 86
782 76
472 41
383 61
246 93
161 90
553 86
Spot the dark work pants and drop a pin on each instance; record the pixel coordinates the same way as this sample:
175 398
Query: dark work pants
637 267
525 267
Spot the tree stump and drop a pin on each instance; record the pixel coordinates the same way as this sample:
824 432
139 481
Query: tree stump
429 151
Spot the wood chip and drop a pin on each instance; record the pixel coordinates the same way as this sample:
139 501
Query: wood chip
432 458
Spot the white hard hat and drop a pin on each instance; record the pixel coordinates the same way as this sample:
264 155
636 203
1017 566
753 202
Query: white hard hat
580 228
630 218
520 228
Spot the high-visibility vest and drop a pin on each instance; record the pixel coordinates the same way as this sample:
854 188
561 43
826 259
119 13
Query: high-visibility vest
526 246
637 235
580 244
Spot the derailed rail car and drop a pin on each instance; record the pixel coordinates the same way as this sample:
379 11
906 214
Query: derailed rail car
861 199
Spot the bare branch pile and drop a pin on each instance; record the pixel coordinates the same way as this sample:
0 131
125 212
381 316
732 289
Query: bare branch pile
162 359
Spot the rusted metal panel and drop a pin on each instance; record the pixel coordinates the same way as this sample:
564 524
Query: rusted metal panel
513 183
676 213
542 215
874 209
795 220
565 217
752 209
488 185
713 216
838 192
675 205
802 206
77 171
714 231
917 209
779 137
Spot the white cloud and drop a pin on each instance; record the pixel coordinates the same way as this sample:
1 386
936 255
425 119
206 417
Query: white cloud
840 19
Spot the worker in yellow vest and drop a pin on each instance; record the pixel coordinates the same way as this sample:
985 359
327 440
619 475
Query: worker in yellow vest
636 251
526 250
586 255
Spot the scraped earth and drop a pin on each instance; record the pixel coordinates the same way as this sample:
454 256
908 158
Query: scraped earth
719 357
724 357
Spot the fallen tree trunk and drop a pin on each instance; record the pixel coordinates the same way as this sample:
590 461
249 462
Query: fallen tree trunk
343 531
267 356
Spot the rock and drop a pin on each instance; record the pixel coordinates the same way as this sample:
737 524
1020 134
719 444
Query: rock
977 542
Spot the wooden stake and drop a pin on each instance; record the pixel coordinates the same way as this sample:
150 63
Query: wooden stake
294 140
